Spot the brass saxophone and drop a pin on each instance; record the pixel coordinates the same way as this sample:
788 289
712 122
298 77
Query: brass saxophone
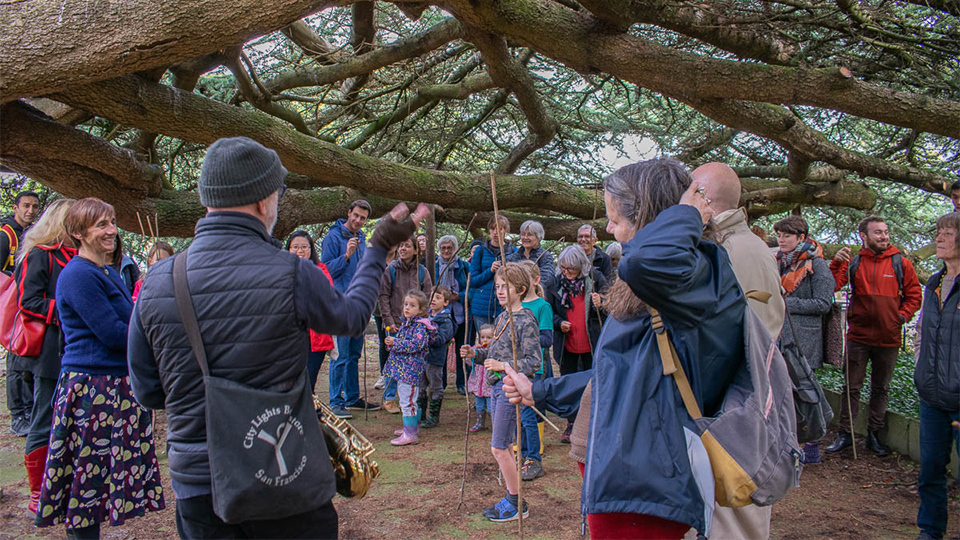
349 451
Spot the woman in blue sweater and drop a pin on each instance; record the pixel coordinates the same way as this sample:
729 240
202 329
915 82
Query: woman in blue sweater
102 464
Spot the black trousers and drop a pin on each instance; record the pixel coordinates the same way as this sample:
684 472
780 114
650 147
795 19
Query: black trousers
195 519
382 335
19 391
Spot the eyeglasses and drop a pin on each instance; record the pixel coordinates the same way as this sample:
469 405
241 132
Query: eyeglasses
568 269
283 189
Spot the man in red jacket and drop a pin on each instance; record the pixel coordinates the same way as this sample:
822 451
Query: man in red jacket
885 293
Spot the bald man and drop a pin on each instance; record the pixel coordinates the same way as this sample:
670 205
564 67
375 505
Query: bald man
756 269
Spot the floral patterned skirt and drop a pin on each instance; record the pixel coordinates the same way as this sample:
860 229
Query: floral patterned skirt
102 464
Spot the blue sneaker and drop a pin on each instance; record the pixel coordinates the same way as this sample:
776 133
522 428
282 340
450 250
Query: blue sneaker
506 511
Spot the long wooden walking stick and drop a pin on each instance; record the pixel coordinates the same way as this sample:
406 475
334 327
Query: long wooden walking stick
366 403
466 402
513 342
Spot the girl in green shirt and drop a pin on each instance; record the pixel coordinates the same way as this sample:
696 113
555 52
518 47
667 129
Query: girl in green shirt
532 428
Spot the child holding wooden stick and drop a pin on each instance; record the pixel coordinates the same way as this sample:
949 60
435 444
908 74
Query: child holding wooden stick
511 284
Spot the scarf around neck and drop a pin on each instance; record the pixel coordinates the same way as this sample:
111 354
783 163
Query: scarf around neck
569 290
798 264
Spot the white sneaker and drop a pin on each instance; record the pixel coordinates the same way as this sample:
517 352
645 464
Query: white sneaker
380 384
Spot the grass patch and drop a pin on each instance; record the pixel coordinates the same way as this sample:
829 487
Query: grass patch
478 522
442 455
448 530
396 472
562 493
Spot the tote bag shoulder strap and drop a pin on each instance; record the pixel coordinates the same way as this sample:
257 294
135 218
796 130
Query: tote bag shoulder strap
188 316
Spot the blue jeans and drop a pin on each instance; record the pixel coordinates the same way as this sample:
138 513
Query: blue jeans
936 437
390 390
345 372
531 434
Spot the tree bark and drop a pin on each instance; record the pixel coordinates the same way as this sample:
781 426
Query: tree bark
48 45
190 117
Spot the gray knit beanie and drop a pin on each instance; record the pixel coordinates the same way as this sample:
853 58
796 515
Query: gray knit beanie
239 171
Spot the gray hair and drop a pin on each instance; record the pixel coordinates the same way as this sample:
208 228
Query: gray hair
615 251
593 232
533 226
449 239
574 257
643 190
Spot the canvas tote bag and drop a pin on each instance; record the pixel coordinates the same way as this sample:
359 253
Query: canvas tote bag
268 459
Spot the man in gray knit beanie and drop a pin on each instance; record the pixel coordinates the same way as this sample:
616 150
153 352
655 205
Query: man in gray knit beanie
239 171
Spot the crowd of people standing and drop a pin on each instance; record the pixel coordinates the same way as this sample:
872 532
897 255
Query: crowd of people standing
114 347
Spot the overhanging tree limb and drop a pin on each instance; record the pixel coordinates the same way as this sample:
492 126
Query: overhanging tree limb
47 45
575 40
194 118
509 73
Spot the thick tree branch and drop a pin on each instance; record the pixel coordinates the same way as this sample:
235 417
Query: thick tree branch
197 119
411 47
47 45
782 126
696 21
575 40
697 148
33 142
507 72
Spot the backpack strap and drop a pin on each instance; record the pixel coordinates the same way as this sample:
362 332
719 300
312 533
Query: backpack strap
852 272
392 268
14 243
896 260
672 366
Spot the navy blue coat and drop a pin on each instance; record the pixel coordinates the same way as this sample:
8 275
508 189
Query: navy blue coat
437 355
937 374
459 270
483 296
636 451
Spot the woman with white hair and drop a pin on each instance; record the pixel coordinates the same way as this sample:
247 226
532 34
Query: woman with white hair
576 316
615 251
531 235
451 272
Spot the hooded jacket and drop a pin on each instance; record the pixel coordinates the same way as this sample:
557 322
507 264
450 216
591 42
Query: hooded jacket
636 459
437 355
333 251
937 374
483 298
392 292
877 310
545 262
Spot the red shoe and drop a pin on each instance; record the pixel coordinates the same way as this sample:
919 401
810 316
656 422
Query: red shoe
35 462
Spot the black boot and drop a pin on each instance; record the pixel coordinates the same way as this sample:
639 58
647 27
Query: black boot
875 446
422 407
481 421
843 441
433 414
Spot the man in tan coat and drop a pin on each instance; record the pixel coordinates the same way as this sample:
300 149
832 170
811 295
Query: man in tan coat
756 269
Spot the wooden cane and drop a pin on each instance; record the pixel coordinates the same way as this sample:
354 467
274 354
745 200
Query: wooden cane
513 342
466 402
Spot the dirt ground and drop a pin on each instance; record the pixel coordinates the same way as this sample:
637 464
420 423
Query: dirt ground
418 489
